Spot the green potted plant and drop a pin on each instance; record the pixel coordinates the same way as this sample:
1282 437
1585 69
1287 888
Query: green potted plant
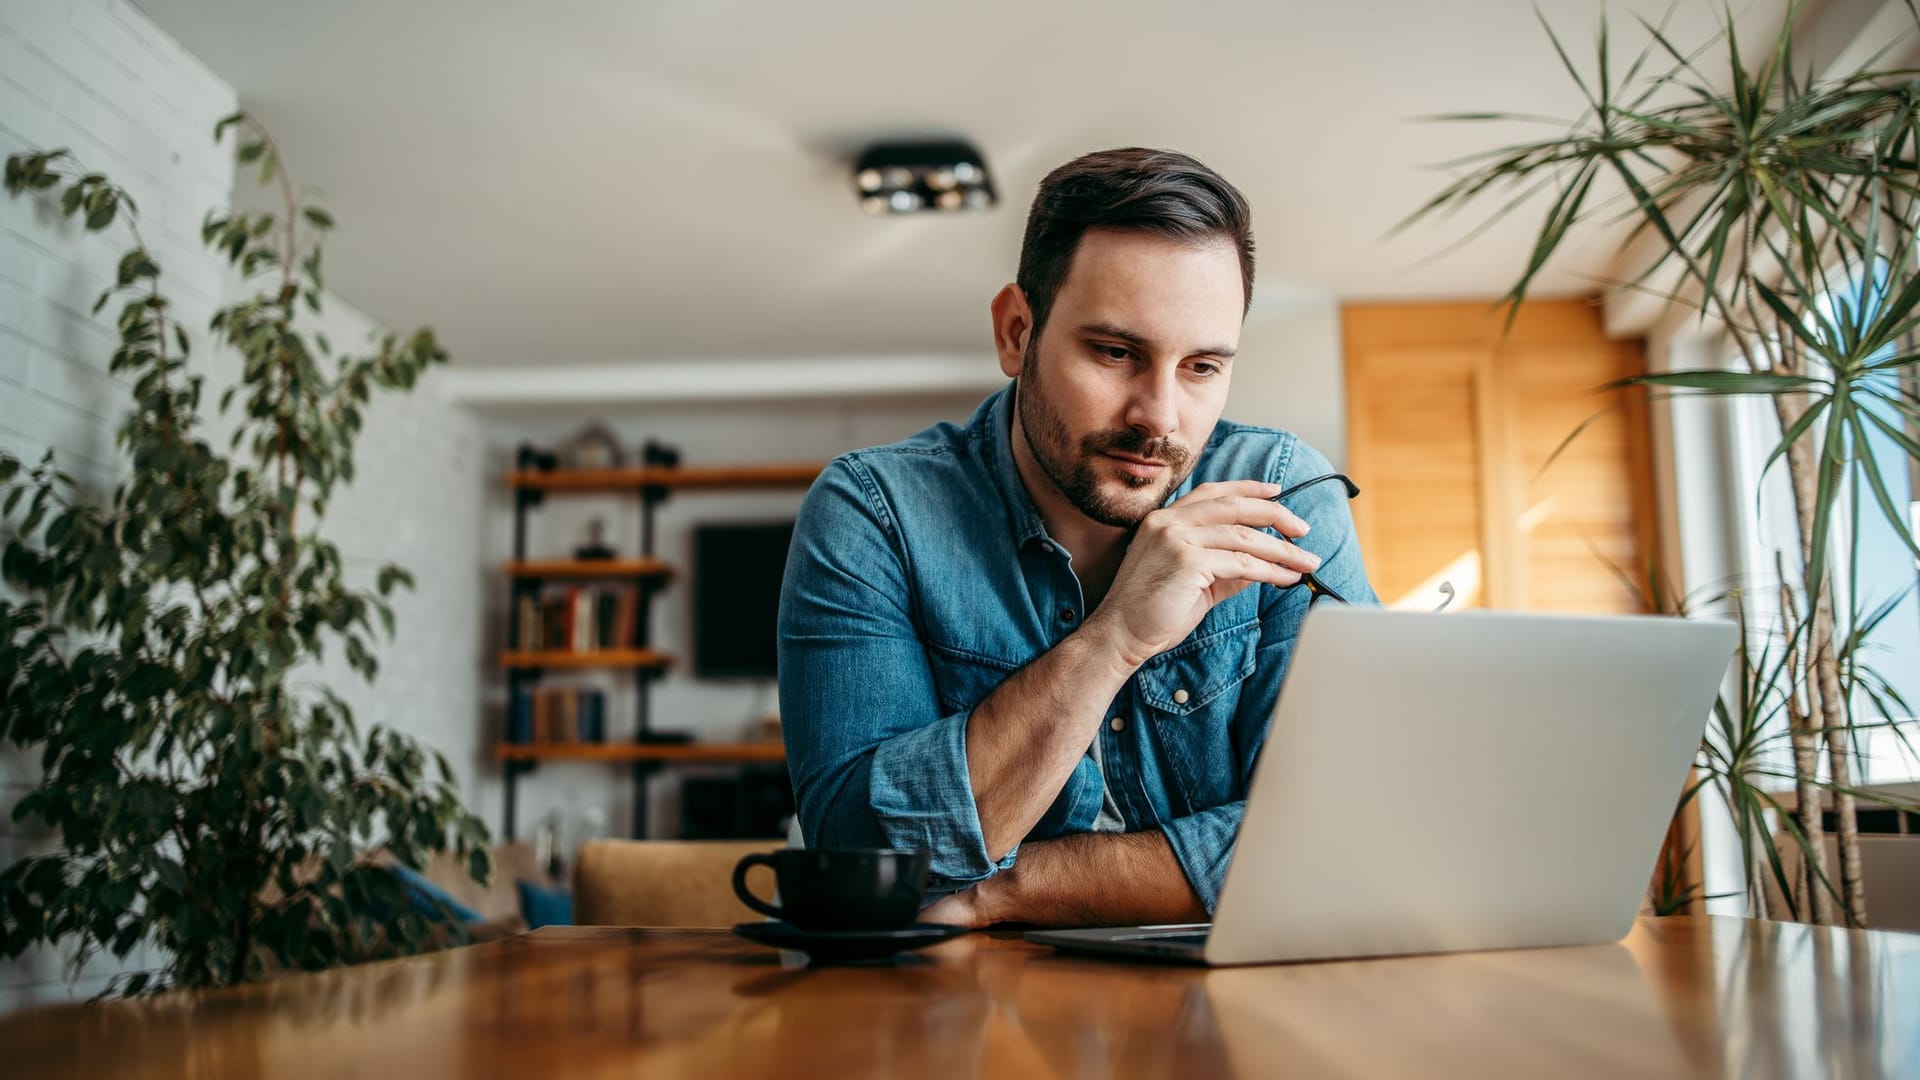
206 799
1785 210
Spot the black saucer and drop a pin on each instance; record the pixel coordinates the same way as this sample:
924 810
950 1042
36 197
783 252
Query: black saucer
848 946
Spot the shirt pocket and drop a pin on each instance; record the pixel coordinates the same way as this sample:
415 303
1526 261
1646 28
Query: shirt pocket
1190 694
961 679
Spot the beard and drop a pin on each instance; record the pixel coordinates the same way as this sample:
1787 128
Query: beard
1080 472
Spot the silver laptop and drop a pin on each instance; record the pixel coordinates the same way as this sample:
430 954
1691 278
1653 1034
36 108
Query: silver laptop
1435 783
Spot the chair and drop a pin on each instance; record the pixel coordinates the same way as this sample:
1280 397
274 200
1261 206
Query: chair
686 883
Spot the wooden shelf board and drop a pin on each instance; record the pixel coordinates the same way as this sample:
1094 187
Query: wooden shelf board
680 752
600 658
799 474
587 568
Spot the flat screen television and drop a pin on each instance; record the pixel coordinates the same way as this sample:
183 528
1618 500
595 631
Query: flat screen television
736 597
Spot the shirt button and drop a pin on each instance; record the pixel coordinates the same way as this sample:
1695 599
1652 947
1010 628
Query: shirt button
1046 547
1180 697
1066 614
1116 723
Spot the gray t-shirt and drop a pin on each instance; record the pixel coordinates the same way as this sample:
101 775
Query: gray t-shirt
1109 819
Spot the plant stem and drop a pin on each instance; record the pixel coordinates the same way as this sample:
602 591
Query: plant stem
1821 661
1813 900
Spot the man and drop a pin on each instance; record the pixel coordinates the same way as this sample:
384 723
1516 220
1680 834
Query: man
1044 646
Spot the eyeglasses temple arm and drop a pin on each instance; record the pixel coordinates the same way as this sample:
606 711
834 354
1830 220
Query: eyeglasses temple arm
1353 489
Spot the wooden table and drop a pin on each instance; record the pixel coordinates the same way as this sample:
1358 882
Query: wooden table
1680 997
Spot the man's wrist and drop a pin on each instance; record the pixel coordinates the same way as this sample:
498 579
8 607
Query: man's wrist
996 898
1107 644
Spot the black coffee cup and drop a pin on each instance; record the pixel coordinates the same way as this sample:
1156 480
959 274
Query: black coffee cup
858 889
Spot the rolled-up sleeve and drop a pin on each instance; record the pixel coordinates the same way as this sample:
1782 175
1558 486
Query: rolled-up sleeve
1203 845
1203 842
875 760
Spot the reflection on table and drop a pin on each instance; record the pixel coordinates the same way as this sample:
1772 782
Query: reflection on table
1680 997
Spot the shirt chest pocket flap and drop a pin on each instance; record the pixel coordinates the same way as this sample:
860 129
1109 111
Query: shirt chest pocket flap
1192 675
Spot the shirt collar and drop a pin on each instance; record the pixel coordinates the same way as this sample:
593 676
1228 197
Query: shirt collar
993 432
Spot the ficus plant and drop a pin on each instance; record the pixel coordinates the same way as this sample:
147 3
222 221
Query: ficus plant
1785 207
159 642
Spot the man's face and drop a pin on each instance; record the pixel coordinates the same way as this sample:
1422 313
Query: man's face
1122 387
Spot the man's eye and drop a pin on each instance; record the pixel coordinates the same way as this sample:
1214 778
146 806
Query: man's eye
1206 370
1113 352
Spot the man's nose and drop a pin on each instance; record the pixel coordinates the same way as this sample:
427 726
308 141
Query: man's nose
1152 408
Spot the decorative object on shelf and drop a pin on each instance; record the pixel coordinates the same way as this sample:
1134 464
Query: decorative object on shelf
203 796
765 730
912 177
529 456
594 448
660 455
596 547
666 738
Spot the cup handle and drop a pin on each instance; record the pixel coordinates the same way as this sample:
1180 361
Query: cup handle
740 884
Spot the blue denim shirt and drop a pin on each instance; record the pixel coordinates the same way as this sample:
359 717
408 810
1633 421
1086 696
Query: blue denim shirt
921 576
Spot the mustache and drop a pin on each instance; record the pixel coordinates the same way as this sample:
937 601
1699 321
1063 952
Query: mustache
1134 444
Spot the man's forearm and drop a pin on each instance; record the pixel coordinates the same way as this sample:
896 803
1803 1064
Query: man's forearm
1092 879
1024 739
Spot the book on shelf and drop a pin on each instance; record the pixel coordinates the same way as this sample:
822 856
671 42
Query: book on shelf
577 619
556 714
626 612
606 611
542 708
580 618
553 624
593 716
526 621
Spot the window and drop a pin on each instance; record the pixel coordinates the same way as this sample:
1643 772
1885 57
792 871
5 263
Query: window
1888 573
1887 570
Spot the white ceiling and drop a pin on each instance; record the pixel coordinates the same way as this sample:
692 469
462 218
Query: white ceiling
601 180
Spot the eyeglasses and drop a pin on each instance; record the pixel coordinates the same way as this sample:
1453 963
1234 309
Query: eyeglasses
1317 588
1314 585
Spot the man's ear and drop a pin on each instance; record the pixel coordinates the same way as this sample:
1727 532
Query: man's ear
1012 323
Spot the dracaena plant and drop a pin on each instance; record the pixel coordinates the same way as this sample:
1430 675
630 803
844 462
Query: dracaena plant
158 642
1784 210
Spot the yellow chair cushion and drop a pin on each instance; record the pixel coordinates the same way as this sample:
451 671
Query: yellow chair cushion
686 883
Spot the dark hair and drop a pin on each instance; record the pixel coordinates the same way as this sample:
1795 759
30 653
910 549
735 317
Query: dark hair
1157 191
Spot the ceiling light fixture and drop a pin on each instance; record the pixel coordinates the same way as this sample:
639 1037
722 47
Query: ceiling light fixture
911 177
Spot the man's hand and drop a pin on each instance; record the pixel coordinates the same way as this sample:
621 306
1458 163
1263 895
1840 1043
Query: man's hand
965 908
1192 554
1027 736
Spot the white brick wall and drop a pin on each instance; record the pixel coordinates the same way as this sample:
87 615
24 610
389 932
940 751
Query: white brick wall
98 77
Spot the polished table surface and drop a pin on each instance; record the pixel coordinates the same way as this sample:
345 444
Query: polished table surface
1679 997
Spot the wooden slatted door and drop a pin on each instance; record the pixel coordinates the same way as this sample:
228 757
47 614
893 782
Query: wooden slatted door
1449 425
1413 449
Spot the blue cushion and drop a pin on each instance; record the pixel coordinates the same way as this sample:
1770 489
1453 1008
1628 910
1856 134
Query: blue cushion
429 899
542 906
